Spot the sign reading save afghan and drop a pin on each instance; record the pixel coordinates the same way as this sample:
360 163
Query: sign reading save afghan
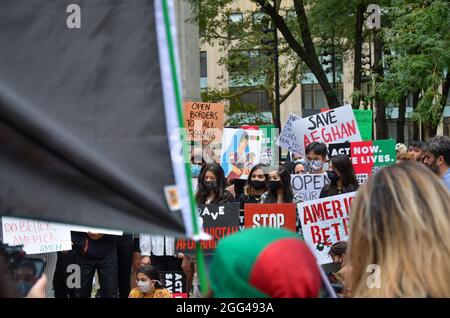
335 125
218 220
325 222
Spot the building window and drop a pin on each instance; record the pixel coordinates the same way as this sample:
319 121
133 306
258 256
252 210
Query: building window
314 98
203 70
260 19
408 130
235 21
247 68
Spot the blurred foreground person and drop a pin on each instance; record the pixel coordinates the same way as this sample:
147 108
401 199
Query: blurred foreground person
264 262
401 209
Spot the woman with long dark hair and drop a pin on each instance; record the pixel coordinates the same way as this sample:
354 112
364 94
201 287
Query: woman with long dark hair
342 177
280 189
256 186
211 186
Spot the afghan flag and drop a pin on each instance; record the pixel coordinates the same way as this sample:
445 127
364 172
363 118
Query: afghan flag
264 262
90 111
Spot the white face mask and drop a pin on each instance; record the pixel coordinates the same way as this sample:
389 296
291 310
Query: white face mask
144 287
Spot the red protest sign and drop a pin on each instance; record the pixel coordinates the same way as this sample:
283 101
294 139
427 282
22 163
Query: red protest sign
281 215
362 159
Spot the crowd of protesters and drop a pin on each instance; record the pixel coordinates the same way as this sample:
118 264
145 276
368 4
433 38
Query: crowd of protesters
402 209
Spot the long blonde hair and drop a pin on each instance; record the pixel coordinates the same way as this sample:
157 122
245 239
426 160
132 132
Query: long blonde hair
400 221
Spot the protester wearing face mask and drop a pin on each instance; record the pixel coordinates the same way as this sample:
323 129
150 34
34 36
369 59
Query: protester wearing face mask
437 158
342 177
148 284
211 186
317 158
280 189
256 186
337 254
196 162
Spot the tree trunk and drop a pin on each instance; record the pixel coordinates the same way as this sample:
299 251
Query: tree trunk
401 120
359 14
380 117
445 91
416 125
306 53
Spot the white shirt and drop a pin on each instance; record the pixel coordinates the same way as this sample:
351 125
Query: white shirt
154 245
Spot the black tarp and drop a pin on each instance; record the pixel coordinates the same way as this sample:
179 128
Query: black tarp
82 128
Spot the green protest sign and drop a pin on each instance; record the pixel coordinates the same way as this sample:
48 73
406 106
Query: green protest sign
364 120
386 149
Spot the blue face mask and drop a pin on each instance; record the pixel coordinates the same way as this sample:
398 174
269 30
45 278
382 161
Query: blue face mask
195 170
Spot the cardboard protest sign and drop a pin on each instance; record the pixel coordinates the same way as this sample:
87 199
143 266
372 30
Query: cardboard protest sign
325 222
218 220
364 119
241 150
335 125
287 138
204 121
368 156
175 282
309 186
270 215
36 236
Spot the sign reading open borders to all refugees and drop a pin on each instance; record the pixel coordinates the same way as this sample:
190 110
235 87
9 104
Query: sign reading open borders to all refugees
204 121
335 125
309 186
175 282
367 156
287 139
241 150
325 222
218 220
36 236
270 215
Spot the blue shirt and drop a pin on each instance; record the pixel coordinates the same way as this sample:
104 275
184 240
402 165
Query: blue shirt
446 179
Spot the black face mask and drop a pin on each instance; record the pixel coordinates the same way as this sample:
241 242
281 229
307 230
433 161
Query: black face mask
275 185
257 185
333 176
210 185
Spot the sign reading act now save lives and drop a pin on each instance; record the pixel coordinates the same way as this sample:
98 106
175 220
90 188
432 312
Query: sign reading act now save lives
366 156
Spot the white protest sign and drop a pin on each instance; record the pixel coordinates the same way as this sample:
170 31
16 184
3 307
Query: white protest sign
325 222
309 186
36 236
287 139
333 126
